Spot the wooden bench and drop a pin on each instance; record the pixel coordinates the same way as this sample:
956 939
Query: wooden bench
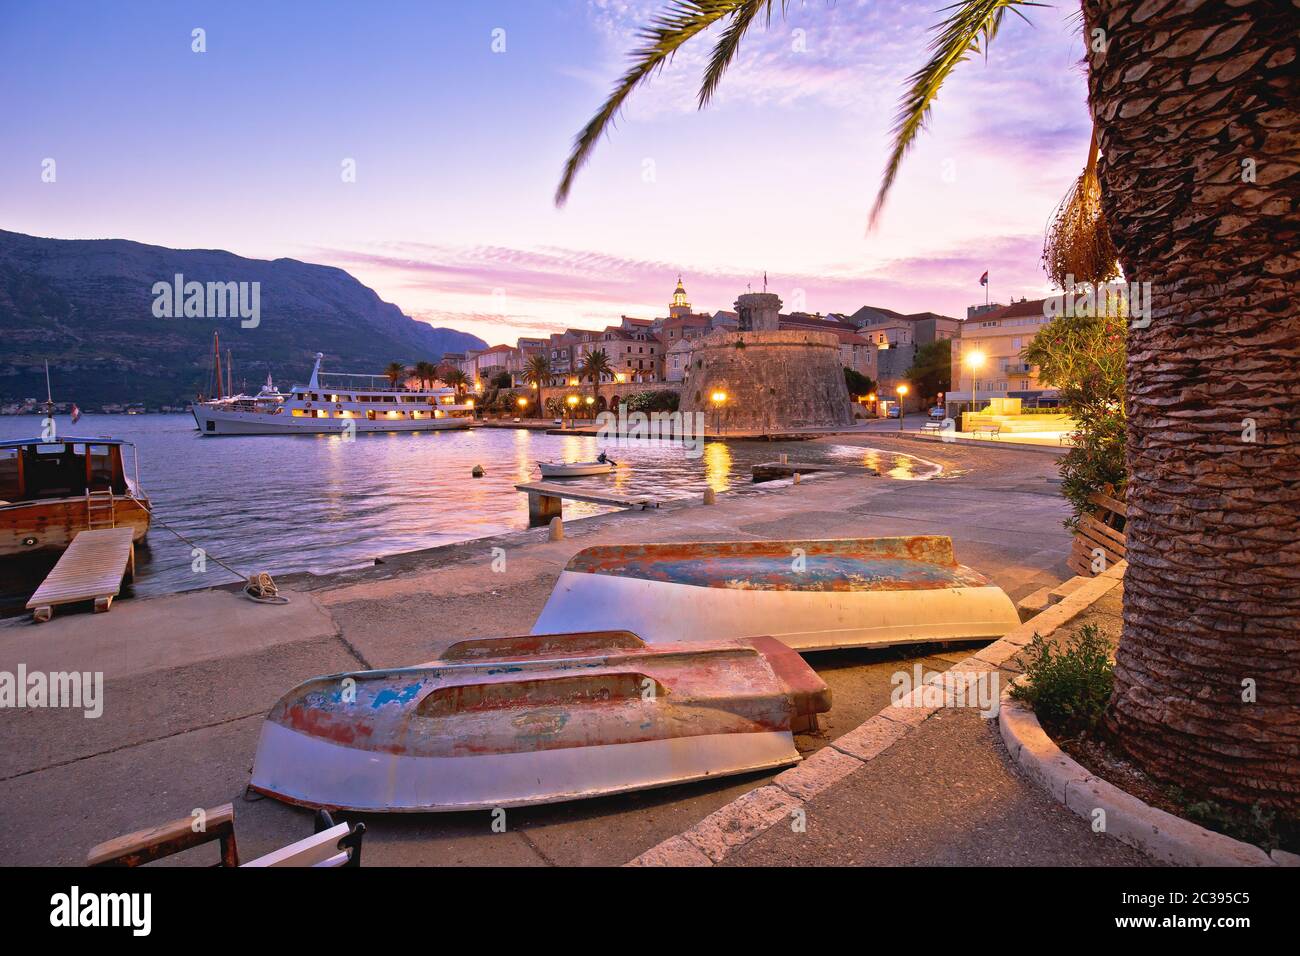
1099 536
993 431
91 569
935 427
545 500
330 846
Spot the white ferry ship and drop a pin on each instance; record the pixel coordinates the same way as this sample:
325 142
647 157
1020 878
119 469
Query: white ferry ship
335 403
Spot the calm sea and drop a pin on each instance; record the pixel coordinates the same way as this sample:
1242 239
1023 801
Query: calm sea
317 503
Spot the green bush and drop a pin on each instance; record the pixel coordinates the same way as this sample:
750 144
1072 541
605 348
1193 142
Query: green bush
1067 687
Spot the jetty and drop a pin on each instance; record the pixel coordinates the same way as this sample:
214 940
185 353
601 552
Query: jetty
91 569
545 500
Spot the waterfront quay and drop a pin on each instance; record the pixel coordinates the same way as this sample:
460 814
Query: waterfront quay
189 677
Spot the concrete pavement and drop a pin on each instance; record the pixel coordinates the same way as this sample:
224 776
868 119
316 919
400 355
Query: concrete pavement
190 676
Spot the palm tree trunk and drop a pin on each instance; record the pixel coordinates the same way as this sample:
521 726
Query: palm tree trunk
1196 103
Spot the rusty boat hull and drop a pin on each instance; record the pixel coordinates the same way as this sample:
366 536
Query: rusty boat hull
48 526
517 721
811 595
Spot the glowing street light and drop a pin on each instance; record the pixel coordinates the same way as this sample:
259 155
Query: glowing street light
572 401
718 398
902 394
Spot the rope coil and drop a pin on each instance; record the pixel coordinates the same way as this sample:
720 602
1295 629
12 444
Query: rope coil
260 587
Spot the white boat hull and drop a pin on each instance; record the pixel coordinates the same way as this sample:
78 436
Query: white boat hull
212 422
298 769
577 469
810 595
802 620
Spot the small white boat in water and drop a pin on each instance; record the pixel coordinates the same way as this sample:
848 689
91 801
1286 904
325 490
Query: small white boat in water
574 469
811 595
515 721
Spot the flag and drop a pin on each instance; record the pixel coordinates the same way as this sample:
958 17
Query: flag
984 279
76 413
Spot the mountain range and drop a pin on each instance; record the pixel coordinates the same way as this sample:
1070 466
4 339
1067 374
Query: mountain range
90 306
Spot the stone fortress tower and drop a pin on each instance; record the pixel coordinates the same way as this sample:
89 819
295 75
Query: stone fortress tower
773 379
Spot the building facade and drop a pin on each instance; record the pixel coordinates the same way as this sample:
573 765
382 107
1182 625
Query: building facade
987 361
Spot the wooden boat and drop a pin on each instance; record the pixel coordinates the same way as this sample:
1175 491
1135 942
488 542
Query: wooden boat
525 720
574 469
811 595
51 490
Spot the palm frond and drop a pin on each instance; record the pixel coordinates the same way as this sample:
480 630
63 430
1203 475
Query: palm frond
970 28
682 20
728 45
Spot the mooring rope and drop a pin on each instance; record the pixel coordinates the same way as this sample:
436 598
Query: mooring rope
258 587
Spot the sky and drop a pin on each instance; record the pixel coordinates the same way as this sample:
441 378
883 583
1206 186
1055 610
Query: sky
457 117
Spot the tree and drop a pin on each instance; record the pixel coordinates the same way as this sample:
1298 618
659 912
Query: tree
502 380
595 365
396 372
537 373
1082 356
931 371
456 379
426 372
858 384
1194 109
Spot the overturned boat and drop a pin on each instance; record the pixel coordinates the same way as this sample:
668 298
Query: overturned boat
525 720
811 595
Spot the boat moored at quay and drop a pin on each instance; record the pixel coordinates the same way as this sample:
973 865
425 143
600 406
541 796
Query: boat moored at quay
334 404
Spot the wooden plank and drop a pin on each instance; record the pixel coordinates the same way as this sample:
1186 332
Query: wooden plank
1081 550
1109 503
1093 540
154 843
91 568
1103 529
593 497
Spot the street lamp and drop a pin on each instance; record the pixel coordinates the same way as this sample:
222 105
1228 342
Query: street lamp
872 399
902 394
573 403
719 398
522 403
590 400
973 360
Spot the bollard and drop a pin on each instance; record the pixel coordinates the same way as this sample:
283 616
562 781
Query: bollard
796 477
557 529
710 496
785 459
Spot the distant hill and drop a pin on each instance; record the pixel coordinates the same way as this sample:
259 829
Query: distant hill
87 306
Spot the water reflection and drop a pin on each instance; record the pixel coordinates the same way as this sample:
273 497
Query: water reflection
717 465
293 503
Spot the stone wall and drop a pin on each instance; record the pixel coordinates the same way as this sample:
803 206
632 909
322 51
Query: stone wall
608 395
773 380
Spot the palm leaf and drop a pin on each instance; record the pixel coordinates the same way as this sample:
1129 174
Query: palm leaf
728 45
970 28
682 20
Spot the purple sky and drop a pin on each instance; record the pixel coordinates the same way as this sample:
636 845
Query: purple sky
458 150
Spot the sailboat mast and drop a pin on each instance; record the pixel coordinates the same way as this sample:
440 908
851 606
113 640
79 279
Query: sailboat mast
216 358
